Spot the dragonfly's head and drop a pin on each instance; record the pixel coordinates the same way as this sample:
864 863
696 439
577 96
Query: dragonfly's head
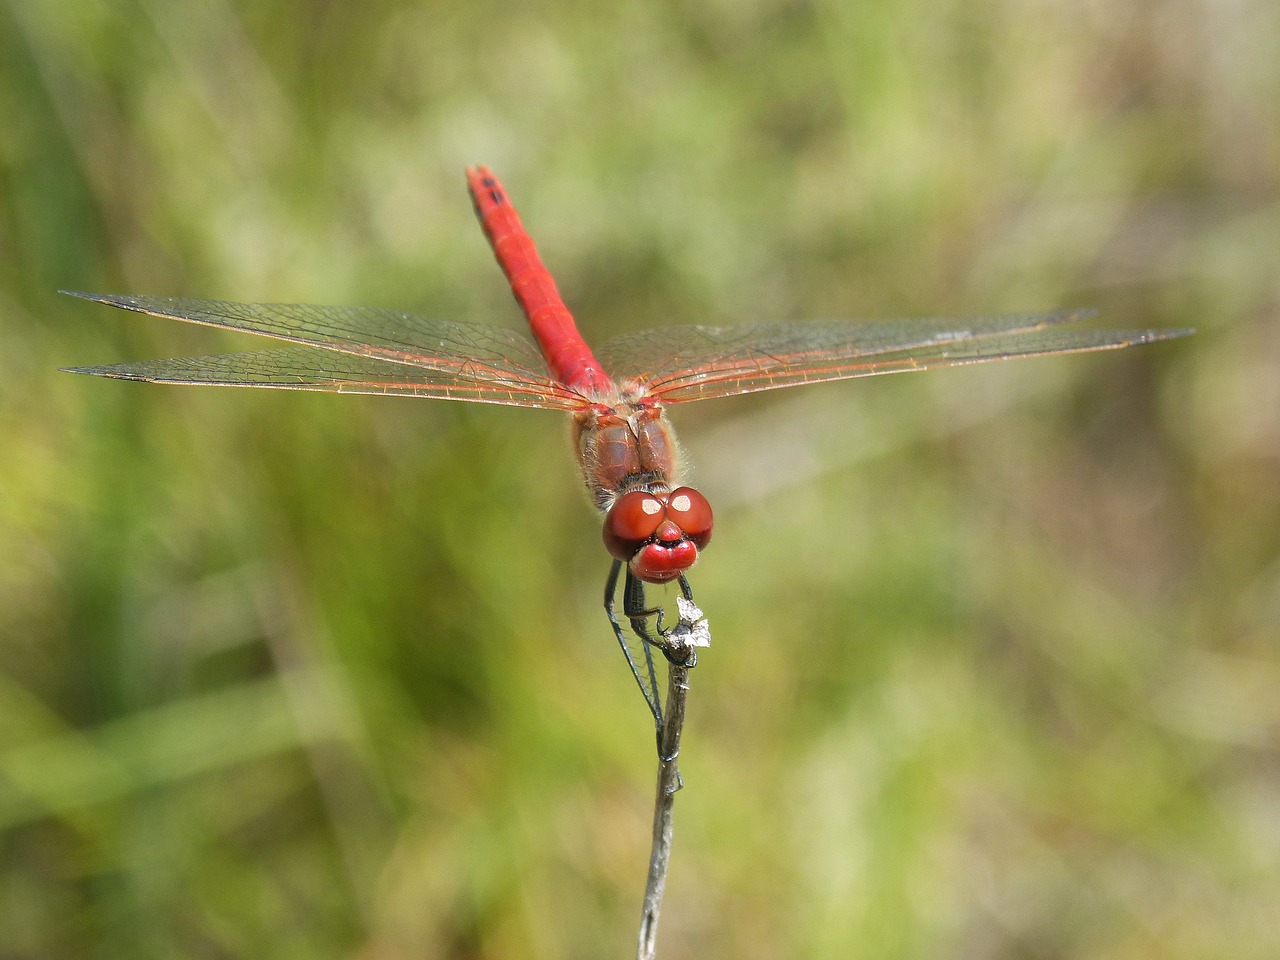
658 534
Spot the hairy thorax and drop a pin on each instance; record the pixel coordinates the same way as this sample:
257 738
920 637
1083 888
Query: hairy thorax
624 443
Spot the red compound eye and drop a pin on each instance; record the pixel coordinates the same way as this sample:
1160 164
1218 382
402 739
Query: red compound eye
630 522
692 514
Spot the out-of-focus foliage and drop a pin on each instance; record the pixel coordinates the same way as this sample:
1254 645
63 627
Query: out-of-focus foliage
994 669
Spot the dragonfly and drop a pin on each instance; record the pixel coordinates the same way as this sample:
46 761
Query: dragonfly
655 527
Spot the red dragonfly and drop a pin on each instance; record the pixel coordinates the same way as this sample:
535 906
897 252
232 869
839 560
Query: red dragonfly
624 444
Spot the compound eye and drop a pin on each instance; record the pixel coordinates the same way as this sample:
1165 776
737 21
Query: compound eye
691 513
630 522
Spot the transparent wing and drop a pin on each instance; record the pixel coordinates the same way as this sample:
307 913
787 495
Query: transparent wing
680 364
442 357
310 368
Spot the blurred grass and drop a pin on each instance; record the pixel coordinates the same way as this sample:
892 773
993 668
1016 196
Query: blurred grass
994 670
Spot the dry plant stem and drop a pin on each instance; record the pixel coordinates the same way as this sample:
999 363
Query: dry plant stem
668 784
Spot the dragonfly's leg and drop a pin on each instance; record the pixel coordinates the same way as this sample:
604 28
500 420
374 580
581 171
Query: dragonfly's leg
650 689
638 613
668 641
633 602
633 605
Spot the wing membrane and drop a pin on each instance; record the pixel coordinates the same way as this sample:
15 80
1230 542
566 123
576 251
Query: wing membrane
310 368
682 364
444 357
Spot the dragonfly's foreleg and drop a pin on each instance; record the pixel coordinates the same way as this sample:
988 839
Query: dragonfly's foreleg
649 688
672 642
678 644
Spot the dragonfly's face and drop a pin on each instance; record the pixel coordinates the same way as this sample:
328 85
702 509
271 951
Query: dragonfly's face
658 534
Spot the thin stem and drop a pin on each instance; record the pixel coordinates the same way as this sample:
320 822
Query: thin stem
668 783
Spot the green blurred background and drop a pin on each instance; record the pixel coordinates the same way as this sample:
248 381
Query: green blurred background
302 676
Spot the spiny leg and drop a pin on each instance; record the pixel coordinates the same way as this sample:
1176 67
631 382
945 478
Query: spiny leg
677 644
650 689
670 641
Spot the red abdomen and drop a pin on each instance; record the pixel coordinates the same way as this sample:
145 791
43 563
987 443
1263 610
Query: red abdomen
566 353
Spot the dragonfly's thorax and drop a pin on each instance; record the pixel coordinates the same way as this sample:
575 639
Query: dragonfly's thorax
625 444
630 460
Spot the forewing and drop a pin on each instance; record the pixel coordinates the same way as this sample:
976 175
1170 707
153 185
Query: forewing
680 364
441 357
